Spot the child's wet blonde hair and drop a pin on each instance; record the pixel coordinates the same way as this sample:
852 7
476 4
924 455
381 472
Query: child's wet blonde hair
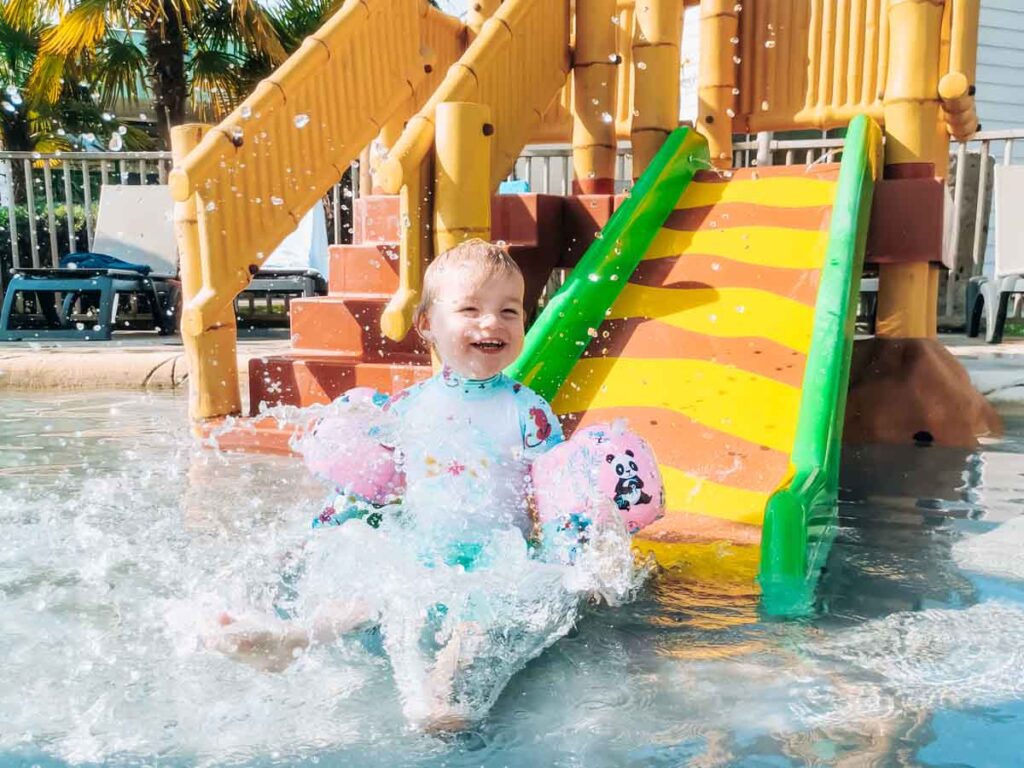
484 259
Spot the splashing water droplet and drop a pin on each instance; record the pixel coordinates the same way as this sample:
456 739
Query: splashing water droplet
734 40
715 267
122 129
301 120
245 112
275 200
107 117
211 206
606 117
736 59
764 105
730 112
641 65
8 106
592 333
614 278
735 91
115 144
769 43
592 277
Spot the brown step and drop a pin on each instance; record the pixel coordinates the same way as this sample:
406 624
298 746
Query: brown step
304 380
363 268
350 325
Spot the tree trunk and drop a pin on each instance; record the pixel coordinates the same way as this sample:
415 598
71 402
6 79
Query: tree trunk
165 46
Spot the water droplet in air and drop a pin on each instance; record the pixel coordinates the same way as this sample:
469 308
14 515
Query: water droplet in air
735 91
275 200
245 112
211 206
301 120
592 277
736 59
592 333
107 117
115 144
764 105
734 40
641 65
8 106
769 43
606 117
614 278
122 129
730 112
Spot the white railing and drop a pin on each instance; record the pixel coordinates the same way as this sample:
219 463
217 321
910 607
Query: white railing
48 201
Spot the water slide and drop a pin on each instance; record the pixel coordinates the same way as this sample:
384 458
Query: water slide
715 312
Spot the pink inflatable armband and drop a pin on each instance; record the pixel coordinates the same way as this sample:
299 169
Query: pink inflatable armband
600 469
342 450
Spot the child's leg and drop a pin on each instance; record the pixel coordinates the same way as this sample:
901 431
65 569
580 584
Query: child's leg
271 643
446 713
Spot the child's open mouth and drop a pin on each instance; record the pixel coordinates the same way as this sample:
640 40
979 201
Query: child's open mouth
489 346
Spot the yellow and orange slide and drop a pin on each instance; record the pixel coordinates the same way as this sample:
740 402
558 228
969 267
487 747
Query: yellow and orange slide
715 313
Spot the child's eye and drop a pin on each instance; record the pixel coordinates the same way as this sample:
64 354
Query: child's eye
468 309
510 312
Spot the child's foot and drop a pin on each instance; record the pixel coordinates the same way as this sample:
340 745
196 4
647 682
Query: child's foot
268 645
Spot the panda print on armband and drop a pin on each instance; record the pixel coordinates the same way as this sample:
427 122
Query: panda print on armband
629 489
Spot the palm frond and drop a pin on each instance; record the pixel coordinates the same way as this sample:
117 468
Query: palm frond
44 84
27 14
79 31
216 84
255 29
121 69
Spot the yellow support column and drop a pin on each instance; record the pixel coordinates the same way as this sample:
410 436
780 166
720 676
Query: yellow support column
716 97
657 28
594 85
914 134
462 183
211 354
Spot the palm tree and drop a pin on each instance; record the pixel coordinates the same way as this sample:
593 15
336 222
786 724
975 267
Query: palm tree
97 36
47 127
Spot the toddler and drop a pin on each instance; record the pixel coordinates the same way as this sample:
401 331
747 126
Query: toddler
464 439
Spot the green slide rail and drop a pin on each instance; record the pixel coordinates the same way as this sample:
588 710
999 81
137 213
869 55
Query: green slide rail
558 338
800 518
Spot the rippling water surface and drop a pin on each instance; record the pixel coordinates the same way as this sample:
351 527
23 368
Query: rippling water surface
120 541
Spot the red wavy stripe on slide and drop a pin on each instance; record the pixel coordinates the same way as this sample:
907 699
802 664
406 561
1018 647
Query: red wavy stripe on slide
638 337
695 448
691 271
724 215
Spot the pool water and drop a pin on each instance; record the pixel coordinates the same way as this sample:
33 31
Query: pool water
120 538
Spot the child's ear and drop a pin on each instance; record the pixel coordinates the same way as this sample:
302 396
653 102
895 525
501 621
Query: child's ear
423 327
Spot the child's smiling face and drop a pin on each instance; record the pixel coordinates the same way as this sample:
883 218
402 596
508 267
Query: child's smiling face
476 322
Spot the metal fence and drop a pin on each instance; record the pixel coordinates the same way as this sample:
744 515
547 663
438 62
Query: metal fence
49 201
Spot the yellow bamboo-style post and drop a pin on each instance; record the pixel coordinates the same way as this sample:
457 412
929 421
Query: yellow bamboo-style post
657 27
594 85
462 183
211 354
907 293
414 198
479 12
716 98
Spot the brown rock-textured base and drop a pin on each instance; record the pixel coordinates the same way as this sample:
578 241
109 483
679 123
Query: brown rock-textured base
914 391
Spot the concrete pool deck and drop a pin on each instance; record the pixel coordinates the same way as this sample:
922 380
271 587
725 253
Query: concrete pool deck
145 361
